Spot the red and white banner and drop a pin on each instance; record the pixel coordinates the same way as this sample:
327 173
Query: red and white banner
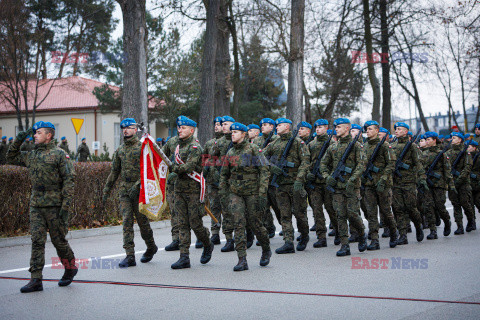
153 175
194 175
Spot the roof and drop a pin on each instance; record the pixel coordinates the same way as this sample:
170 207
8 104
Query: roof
66 94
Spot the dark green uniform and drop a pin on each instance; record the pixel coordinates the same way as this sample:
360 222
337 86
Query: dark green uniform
126 166
227 224
475 181
246 177
3 152
64 146
169 150
52 176
83 153
212 174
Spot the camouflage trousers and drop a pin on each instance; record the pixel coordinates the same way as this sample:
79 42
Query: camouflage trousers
41 220
434 202
405 207
173 214
318 198
363 206
476 198
462 199
227 223
190 212
268 217
292 203
347 207
246 212
379 200
129 211
215 207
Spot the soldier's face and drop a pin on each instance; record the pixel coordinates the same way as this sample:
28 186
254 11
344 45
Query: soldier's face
226 126
185 132
471 148
342 129
477 131
423 143
431 142
456 140
354 132
401 132
283 128
372 132
41 136
253 133
321 130
238 136
304 132
267 128
218 127
129 131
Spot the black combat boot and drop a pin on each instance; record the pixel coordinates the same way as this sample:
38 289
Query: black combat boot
353 238
402 240
362 243
459 229
182 263
68 276
129 261
174 246
337 240
271 232
374 245
207 253
386 233
302 244
419 233
148 255
198 244
280 233
433 235
229 246
250 238
299 238
447 229
470 226
32 286
313 228
393 240
369 237
286 248
265 259
332 233
242 264
215 239
344 251
321 243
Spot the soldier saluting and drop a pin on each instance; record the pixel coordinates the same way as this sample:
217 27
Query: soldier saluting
52 175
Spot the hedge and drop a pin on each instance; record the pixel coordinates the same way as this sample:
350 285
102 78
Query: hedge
87 210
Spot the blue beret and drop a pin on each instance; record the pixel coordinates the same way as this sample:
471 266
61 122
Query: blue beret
228 118
283 120
186 122
410 133
180 118
401 124
341 121
440 136
43 124
382 129
430 134
238 126
477 125
168 138
306 125
356 126
467 135
84 139
10 139
314 134
329 132
472 143
370 123
4 137
390 136
458 134
159 140
253 126
62 138
218 119
127 122
321 122
267 120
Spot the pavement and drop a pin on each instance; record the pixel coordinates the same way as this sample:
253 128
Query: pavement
438 279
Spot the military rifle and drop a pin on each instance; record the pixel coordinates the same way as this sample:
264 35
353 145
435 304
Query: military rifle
400 164
432 174
283 163
455 172
316 167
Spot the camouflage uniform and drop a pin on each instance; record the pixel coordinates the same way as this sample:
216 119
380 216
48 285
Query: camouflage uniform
475 182
83 153
126 165
319 196
211 173
385 161
52 176
463 197
169 150
3 152
405 189
187 195
245 175
27 146
64 146
347 206
290 201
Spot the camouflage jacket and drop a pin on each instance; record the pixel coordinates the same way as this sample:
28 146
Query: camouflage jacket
27 146
51 173
355 160
413 159
222 145
476 172
385 162
169 150
442 168
209 160
83 152
260 140
126 165
3 152
298 155
246 171
190 152
464 166
314 148
64 146
476 138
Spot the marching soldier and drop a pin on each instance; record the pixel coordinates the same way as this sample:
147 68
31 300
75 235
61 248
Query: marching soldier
404 185
378 191
253 132
305 131
461 195
422 147
64 145
475 175
245 175
52 175
346 196
3 150
355 130
83 152
189 194
126 166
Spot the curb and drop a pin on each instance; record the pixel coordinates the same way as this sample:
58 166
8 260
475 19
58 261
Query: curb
79 234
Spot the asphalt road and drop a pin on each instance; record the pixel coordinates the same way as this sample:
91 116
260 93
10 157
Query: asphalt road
313 284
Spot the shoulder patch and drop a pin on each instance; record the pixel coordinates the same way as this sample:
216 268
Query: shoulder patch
195 147
67 156
390 147
196 140
302 142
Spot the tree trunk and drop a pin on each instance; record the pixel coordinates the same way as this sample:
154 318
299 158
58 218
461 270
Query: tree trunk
370 66
236 63
134 98
386 92
295 63
222 63
416 97
308 107
207 90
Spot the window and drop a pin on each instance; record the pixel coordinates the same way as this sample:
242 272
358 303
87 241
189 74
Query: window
116 136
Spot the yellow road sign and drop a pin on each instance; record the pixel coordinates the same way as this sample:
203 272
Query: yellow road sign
77 124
